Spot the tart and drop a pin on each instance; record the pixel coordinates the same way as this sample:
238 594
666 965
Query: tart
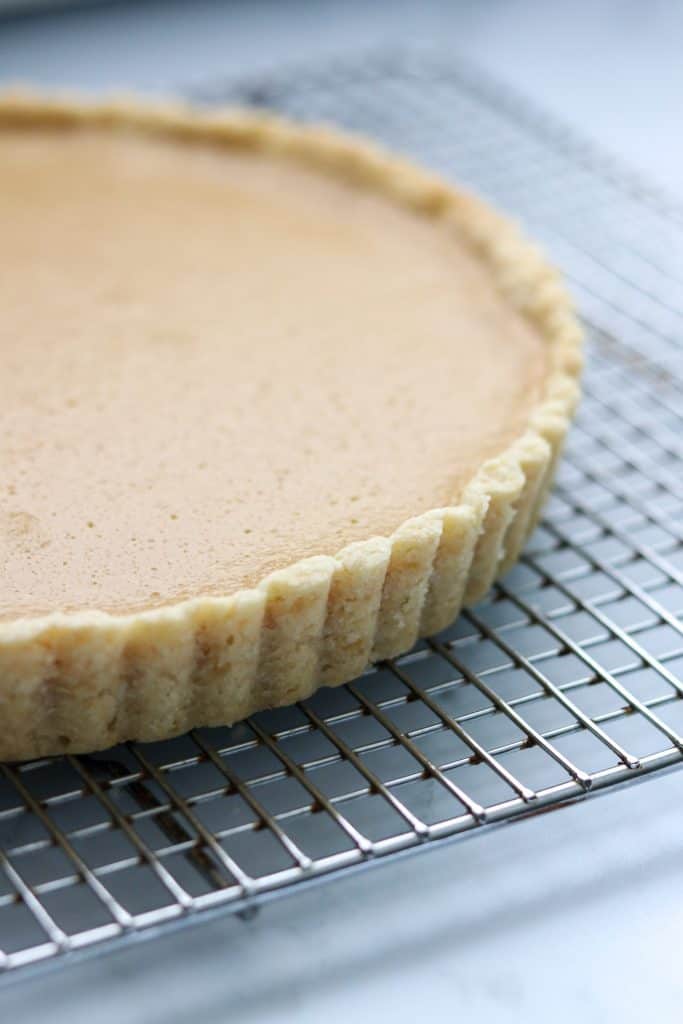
273 405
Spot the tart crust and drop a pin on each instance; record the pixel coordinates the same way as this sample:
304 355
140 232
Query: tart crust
80 681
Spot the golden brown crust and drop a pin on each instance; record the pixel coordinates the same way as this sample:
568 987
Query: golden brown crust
86 680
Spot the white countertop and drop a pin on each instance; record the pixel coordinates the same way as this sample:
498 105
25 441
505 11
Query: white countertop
610 67
568 916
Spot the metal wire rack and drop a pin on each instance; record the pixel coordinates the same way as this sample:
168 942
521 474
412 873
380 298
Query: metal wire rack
568 677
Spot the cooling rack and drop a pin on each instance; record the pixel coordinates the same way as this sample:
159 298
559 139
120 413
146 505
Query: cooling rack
566 679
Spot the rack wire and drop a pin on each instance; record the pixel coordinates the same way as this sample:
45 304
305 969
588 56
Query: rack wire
567 678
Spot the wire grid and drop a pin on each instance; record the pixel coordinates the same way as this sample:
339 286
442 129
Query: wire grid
566 678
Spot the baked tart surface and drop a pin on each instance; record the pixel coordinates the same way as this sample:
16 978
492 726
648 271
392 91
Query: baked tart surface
273 404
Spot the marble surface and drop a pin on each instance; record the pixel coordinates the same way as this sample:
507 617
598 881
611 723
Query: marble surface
566 916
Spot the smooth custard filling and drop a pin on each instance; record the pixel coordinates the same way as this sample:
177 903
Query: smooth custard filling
214 363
